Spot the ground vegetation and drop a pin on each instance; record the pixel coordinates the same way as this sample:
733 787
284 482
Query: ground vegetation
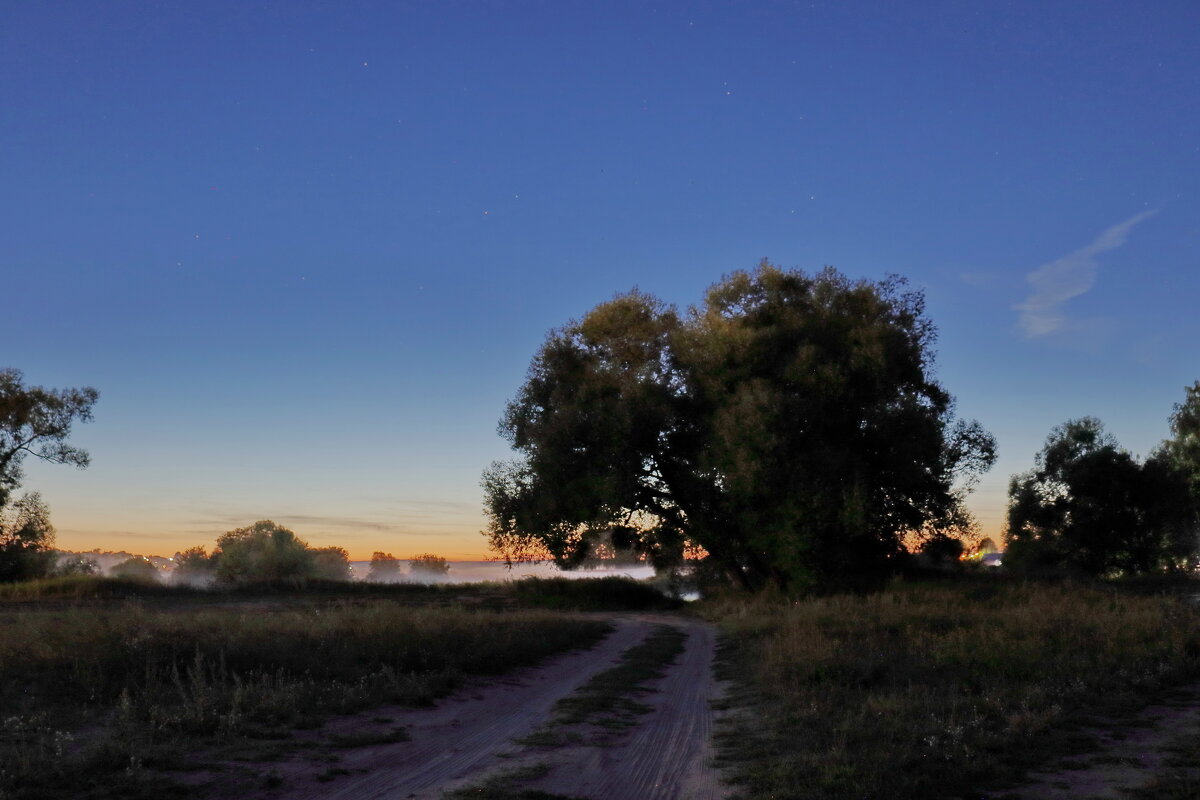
935 690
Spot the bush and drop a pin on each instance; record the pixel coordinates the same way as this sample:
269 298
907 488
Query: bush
137 568
429 564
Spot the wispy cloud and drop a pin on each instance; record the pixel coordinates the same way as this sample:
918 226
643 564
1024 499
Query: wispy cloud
1070 276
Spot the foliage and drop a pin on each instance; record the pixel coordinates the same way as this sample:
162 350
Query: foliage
932 691
137 568
429 564
194 566
26 539
37 421
33 421
1182 451
385 567
1090 506
790 427
331 564
263 551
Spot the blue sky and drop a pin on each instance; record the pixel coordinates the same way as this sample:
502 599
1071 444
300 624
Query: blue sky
306 250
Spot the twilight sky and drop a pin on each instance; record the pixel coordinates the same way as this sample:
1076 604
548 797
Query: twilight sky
305 250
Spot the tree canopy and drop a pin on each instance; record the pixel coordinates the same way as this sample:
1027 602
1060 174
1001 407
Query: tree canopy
1183 448
263 551
34 421
26 539
1090 506
385 567
37 421
790 427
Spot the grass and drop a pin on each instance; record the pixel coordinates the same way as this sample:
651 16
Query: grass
507 786
926 691
109 691
611 593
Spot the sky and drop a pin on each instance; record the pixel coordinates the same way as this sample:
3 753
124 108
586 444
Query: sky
306 250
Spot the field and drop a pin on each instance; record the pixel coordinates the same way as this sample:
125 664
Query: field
924 690
936 690
105 684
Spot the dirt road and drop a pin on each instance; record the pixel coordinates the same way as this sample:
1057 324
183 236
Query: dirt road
471 736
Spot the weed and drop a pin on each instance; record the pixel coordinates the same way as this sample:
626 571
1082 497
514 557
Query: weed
926 691
331 773
365 738
149 683
507 786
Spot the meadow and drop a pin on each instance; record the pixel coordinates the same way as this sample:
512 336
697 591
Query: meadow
107 686
923 690
936 689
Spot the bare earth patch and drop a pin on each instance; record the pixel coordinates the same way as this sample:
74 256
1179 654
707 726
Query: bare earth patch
471 736
665 755
1129 754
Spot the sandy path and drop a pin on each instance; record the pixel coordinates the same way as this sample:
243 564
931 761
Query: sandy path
1129 754
462 734
668 756
470 736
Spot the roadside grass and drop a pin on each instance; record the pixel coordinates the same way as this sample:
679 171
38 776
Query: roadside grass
94 696
934 690
610 593
507 786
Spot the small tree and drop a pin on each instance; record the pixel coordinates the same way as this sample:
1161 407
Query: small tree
263 551
331 563
194 566
429 564
137 568
385 568
26 539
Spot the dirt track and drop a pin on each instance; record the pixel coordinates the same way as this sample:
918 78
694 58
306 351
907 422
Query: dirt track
469 736
1129 754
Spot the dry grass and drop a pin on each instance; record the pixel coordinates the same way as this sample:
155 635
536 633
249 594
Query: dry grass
929 691
104 692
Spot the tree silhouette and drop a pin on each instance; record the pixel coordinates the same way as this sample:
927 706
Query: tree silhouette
790 427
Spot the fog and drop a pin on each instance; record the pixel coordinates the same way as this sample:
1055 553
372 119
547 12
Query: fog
477 571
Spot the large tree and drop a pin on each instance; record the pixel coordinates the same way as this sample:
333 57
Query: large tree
790 427
1090 506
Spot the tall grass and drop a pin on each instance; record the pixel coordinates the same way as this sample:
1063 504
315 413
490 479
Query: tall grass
141 679
930 690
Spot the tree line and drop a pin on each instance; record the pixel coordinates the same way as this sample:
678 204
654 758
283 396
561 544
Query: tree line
788 431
